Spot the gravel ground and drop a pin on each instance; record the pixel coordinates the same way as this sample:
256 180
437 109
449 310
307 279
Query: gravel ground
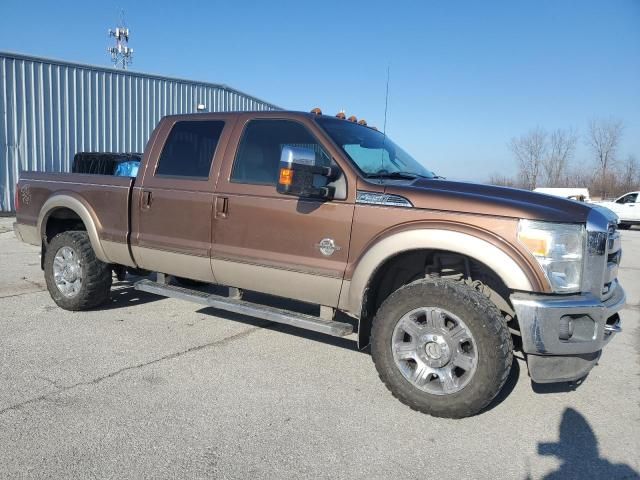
158 388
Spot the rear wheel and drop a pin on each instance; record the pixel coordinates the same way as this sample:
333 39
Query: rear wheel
441 348
75 278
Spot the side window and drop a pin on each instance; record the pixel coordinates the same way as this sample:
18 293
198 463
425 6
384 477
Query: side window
631 198
260 148
189 149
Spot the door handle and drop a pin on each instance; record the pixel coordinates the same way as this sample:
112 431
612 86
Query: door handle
222 207
146 198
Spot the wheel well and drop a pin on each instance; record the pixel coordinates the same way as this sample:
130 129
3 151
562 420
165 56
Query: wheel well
59 220
62 220
407 267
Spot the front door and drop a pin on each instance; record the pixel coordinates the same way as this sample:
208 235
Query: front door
273 243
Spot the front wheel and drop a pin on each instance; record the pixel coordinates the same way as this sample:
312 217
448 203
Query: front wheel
441 347
75 278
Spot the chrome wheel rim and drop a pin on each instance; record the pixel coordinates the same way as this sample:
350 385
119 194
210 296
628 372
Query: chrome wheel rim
67 271
434 350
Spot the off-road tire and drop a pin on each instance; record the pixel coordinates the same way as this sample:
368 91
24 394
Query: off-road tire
96 275
483 319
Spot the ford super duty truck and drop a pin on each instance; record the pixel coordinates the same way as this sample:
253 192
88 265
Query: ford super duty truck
442 279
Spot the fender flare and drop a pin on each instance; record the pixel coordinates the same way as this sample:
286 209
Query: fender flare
511 273
74 203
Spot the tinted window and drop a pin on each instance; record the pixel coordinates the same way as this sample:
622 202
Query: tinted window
631 198
189 149
258 157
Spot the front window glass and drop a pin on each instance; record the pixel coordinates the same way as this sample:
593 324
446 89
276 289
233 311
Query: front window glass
374 154
259 153
631 198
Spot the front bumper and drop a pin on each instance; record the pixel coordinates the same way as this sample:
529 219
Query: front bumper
553 354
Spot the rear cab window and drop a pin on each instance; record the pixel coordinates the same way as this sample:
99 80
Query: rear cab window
189 149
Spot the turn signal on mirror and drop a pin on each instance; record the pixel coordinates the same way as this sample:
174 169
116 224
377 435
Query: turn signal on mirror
286 176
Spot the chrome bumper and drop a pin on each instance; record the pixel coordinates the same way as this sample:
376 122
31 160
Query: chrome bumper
566 334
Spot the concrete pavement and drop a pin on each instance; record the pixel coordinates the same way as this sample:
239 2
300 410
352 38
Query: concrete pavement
158 388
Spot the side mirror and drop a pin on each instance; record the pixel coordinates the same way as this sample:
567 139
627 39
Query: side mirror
298 172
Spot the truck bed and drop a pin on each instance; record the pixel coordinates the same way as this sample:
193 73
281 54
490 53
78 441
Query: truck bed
106 199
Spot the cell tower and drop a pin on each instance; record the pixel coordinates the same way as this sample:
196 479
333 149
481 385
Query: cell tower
121 53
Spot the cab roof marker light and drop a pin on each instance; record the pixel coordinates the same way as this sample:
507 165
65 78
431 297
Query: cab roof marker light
316 111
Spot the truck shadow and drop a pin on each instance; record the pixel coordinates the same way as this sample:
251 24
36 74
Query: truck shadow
124 295
348 343
560 387
341 342
579 453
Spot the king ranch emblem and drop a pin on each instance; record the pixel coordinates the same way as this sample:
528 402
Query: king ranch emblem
327 247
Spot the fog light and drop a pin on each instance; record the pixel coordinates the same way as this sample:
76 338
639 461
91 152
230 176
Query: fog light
566 328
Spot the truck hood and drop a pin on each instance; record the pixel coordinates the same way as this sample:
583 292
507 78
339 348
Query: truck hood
482 199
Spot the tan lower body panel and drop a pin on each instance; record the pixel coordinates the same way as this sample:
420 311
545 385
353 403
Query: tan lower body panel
343 303
275 281
117 252
172 263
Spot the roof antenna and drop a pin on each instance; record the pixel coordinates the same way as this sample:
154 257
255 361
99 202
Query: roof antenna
384 126
386 103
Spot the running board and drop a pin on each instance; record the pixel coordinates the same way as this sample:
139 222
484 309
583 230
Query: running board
300 320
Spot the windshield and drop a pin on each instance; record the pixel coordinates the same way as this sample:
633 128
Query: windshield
374 154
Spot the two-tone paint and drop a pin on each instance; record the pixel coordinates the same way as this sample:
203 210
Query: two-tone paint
249 236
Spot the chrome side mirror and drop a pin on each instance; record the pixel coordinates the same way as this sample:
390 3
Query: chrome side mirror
298 169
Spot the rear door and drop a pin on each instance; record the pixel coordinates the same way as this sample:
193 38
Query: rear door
173 205
270 242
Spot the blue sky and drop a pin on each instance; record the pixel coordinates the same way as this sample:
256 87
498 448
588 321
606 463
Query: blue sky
465 76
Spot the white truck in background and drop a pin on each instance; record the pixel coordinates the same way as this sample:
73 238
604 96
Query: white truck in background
626 207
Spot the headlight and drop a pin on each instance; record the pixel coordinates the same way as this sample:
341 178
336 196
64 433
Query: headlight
558 248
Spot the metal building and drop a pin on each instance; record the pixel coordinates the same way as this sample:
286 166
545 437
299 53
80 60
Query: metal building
50 109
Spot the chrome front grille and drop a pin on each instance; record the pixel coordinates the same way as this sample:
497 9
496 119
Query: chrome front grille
613 255
603 252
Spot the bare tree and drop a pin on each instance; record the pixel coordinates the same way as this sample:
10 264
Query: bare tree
530 150
630 175
562 146
502 180
603 138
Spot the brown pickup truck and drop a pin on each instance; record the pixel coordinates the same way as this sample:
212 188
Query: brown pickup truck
442 279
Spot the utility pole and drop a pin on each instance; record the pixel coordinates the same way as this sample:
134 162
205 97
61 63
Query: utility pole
121 53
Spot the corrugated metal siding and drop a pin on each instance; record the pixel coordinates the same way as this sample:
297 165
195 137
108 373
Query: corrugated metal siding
49 110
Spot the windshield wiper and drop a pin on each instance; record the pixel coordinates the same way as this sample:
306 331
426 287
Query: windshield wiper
402 175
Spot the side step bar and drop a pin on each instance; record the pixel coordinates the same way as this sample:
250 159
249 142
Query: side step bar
308 322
